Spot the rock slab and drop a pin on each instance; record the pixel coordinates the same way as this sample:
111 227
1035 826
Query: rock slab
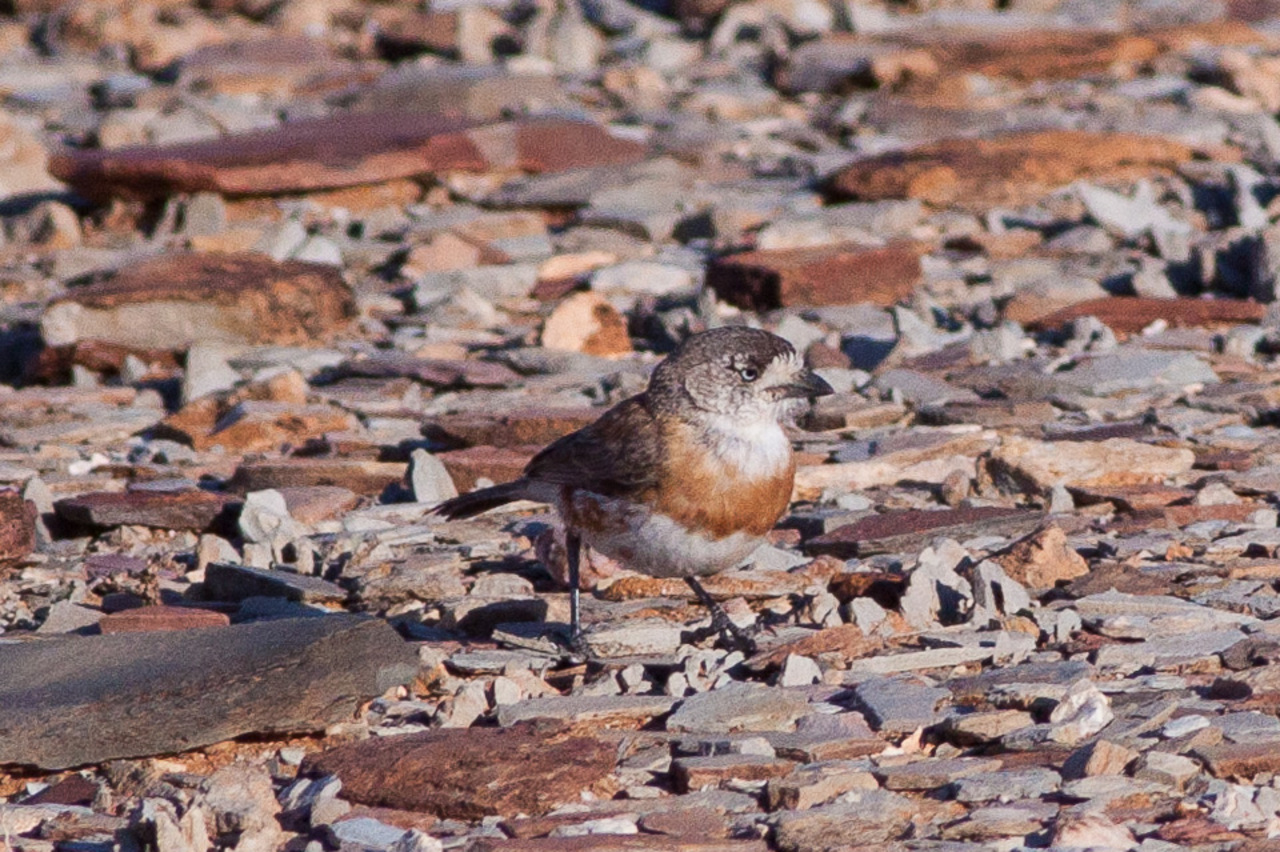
76 701
458 774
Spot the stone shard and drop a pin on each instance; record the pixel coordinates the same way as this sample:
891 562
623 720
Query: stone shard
74 701
169 302
17 528
454 774
179 510
339 151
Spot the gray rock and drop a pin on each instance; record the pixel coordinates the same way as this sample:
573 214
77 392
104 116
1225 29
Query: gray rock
137 694
1008 786
899 704
739 707
1133 369
207 371
225 581
429 479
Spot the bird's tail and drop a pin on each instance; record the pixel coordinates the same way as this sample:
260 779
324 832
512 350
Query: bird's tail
482 500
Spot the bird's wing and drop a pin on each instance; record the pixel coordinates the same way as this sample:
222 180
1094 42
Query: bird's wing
619 455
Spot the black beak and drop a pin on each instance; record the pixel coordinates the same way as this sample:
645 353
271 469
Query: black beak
807 384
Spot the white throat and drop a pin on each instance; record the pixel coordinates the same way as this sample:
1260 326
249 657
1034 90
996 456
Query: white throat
756 448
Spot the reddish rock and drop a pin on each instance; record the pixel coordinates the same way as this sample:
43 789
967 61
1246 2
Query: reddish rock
700 773
17 528
621 843
169 510
315 503
1131 314
1042 559
253 425
846 641
818 275
893 531
168 302
1241 761
469 773
340 150
356 475
161 617
1014 169
497 464
523 427
442 373
587 322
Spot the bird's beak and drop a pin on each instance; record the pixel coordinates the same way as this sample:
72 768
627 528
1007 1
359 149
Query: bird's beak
806 383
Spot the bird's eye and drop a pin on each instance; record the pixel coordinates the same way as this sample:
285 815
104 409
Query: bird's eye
749 374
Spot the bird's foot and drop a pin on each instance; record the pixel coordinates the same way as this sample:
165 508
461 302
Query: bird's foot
574 650
735 637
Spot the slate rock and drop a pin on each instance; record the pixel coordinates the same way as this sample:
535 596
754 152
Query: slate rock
453 773
739 707
17 527
74 701
899 704
199 511
226 581
824 275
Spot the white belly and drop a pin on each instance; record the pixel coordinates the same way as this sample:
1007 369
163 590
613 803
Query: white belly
655 545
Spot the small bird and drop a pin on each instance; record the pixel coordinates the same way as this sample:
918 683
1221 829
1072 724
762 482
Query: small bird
683 479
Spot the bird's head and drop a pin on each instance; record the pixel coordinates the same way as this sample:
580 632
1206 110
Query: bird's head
744 373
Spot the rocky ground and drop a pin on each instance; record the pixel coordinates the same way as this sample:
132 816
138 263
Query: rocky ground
277 276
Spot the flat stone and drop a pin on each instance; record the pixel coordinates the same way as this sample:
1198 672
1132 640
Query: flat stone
933 773
495 464
587 323
345 149
452 773
1025 464
863 817
130 695
1131 369
822 275
1006 786
899 704
602 711
1131 314
359 476
171 301
437 372
1009 169
700 773
161 617
818 783
1100 757
897 532
225 581
739 707
1162 767
199 511
1241 761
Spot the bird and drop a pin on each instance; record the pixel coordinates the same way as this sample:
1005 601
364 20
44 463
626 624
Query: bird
681 480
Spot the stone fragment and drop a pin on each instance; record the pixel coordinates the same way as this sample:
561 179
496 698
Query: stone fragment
229 582
341 150
17 528
429 479
1010 169
495 464
739 707
130 695
1131 314
933 773
1092 831
1241 761
899 704
452 773
821 275
1100 757
897 532
601 711
240 800
169 302
161 617
1008 785
875 817
1025 464
818 783
701 773
518 428
587 323
199 511
1163 767
1041 559
359 476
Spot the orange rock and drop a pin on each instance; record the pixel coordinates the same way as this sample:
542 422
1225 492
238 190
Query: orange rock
587 323
17 527
161 617
1014 168
1041 559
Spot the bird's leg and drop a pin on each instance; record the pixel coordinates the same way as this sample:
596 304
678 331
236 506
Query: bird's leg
720 620
573 550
